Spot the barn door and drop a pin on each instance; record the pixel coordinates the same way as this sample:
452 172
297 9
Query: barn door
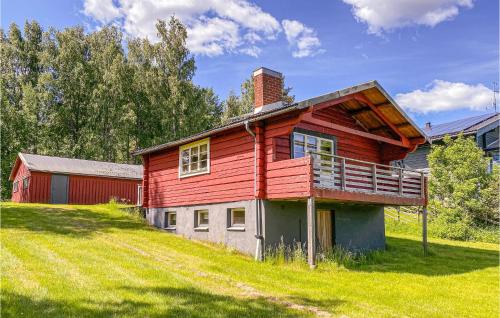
59 189
324 230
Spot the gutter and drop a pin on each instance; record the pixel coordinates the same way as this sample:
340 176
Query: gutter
258 213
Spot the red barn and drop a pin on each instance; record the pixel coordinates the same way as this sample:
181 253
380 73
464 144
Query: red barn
316 172
45 179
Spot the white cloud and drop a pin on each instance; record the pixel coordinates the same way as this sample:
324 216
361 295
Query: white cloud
386 15
102 10
214 27
251 50
212 37
445 96
301 38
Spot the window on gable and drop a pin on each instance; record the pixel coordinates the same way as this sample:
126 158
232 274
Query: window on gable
322 149
15 186
25 183
302 143
201 218
194 158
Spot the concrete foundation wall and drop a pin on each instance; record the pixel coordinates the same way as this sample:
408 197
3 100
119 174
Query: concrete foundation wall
360 227
218 229
357 227
284 219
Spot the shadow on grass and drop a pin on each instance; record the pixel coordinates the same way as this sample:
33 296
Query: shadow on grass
77 222
406 256
173 302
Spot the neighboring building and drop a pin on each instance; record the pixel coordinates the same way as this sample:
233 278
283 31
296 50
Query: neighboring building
484 129
250 183
45 179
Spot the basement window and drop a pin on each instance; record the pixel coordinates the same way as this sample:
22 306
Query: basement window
194 158
237 219
170 222
15 186
25 183
201 219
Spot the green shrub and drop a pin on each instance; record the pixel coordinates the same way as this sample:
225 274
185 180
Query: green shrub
462 193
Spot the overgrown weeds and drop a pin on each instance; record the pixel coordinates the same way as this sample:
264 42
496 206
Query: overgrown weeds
296 254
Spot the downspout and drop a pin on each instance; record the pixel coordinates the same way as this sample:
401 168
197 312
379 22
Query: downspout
258 212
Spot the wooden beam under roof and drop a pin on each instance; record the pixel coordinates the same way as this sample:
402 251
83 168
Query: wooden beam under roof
362 98
403 125
368 109
312 120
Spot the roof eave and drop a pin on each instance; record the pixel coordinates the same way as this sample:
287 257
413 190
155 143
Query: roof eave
299 105
401 111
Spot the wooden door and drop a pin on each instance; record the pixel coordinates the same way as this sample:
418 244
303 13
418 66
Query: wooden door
324 230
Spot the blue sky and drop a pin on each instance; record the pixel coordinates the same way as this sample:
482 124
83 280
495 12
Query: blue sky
437 58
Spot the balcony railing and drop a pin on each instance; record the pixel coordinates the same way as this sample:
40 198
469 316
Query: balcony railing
340 173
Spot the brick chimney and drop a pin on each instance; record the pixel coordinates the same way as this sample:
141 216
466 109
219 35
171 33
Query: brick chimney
267 85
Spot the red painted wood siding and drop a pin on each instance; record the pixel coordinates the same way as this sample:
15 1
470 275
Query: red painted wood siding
230 178
288 179
40 187
94 190
82 189
348 145
21 195
232 163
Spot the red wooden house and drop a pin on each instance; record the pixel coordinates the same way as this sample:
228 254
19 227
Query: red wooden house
316 171
45 179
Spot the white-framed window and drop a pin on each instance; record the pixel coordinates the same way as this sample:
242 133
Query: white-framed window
201 219
139 195
237 218
170 220
25 182
194 158
303 143
15 186
323 149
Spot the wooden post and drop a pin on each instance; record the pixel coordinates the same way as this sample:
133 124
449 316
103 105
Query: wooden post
422 185
311 232
424 229
342 174
399 208
374 177
400 181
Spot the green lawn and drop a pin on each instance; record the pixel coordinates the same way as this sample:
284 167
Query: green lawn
87 261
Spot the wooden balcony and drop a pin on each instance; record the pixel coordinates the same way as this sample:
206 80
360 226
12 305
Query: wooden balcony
340 179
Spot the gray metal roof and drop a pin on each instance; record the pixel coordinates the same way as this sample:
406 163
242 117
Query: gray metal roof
466 125
81 167
251 117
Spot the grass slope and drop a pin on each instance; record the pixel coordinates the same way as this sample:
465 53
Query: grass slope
98 261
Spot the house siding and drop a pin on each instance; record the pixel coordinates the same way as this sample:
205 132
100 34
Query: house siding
418 158
81 189
21 195
95 190
348 145
230 178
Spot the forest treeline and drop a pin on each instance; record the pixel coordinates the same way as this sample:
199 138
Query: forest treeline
100 95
